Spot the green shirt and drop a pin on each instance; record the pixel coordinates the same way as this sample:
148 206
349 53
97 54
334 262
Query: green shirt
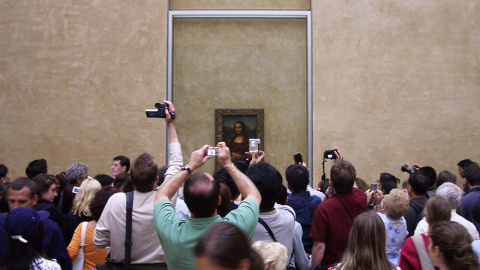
179 237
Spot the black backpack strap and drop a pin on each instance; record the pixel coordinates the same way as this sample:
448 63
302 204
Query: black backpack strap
415 207
128 230
344 207
265 225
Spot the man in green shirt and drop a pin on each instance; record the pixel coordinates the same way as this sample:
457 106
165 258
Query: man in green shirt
202 195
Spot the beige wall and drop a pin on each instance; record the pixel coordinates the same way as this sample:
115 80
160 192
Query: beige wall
75 79
394 82
242 64
241 4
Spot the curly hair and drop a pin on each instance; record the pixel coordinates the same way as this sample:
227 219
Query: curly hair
75 171
396 203
84 196
274 254
454 242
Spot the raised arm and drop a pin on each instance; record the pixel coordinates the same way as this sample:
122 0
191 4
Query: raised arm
244 184
175 160
169 188
172 133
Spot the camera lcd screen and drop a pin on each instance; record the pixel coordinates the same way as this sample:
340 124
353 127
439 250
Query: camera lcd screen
152 113
212 151
254 145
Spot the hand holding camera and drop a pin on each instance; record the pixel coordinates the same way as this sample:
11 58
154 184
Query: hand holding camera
224 155
198 158
332 154
162 110
256 157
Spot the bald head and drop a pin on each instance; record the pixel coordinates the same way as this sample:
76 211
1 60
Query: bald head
201 193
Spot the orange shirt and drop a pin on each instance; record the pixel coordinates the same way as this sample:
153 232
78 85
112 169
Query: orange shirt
93 255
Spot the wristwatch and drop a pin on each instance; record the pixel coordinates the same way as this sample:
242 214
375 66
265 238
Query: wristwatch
186 168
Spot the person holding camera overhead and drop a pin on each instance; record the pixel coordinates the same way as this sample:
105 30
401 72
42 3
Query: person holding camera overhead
334 217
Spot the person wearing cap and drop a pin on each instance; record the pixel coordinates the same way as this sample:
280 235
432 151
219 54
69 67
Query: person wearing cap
23 193
25 236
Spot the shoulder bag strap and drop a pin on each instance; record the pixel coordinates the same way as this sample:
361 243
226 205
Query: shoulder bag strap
265 225
344 207
128 230
422 252
84 229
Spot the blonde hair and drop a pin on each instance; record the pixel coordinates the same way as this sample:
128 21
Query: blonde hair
396 203
85 195
274 254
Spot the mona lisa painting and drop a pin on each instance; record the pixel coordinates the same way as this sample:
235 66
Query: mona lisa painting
235 127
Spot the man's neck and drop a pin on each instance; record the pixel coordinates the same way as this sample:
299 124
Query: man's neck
413 195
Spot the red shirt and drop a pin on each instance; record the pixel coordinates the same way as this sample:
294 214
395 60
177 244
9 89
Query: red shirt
409 256
331 223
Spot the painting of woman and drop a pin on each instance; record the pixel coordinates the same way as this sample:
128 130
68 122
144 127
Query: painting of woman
238 142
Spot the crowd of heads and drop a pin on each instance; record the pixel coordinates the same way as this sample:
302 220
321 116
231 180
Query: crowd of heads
206 196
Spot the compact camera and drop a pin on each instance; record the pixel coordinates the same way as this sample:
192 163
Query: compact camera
159 112
405 168
329 154
254 145
212 151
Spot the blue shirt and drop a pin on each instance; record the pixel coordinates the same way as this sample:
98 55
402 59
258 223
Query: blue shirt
304 206
468 201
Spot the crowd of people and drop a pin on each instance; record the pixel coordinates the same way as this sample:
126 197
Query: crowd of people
242 217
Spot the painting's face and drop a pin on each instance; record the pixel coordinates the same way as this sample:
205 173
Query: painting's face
238 128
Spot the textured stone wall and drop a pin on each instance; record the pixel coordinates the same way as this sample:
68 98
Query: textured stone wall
393 82
396 82
75 79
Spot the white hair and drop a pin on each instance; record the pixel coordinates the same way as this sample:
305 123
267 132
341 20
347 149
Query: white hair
450 191
274 254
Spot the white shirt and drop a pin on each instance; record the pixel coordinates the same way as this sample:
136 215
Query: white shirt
422 226
282 223
110 230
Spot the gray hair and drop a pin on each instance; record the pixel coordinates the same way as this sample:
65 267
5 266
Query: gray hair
450 191
75 171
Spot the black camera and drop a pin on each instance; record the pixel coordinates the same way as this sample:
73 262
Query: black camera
329 154
405 168
159 112
297 157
